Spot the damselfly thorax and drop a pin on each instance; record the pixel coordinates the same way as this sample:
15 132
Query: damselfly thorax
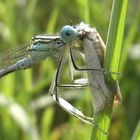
39 48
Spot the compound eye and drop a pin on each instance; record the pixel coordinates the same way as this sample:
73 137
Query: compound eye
68 33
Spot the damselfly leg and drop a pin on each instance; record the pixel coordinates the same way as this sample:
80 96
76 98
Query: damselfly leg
90 69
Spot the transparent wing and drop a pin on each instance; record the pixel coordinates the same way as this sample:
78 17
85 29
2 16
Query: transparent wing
13 55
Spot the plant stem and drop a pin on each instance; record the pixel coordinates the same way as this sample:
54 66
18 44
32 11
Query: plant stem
111 63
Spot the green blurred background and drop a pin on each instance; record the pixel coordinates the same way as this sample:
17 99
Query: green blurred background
27 112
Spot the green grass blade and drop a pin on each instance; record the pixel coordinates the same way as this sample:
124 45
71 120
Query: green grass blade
19 116
84 10
115 35
53 20
111 62
132 33
136 135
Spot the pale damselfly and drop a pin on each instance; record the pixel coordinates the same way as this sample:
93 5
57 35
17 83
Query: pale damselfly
40 47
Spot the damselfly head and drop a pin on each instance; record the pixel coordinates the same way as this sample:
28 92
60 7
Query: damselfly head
68 33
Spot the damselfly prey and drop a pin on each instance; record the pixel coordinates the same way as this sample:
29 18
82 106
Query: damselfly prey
93 47
40 47
94 50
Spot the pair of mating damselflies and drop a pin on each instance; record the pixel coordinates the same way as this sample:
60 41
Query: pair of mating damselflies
43 46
